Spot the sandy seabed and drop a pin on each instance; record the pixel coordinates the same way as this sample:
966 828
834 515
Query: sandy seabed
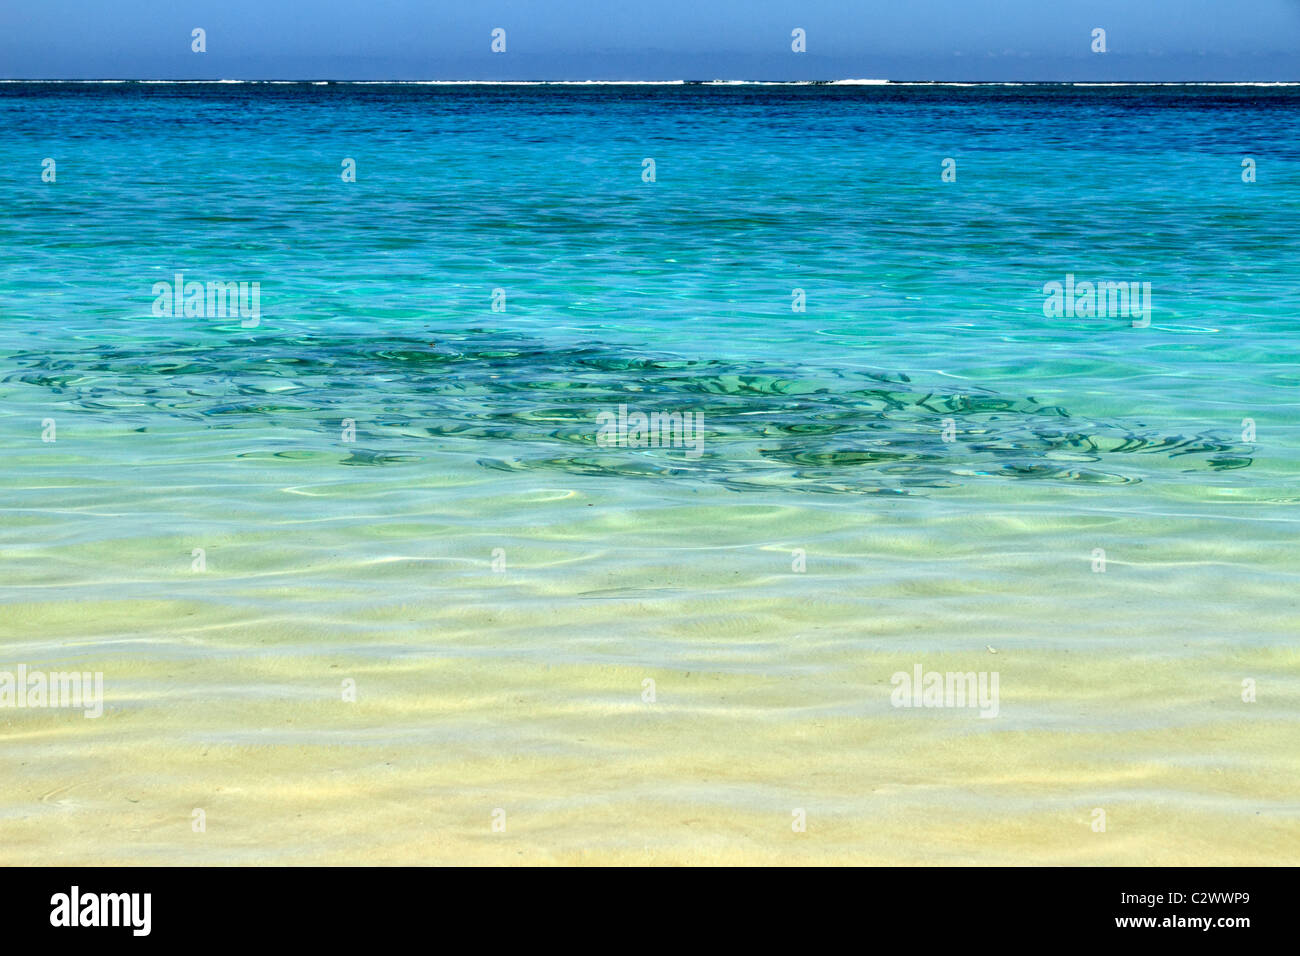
504 716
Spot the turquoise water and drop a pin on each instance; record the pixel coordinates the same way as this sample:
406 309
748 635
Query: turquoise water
923 298
947 455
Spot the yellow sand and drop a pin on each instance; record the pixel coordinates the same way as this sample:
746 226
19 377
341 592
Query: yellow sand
522 690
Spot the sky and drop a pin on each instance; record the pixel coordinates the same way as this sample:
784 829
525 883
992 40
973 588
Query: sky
651 40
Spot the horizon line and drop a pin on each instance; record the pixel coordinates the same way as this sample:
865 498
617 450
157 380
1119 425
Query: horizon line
847 81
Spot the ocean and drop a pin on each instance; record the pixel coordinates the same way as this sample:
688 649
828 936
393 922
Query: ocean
566 473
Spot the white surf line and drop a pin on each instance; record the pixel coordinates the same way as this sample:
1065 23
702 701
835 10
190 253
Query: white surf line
848 81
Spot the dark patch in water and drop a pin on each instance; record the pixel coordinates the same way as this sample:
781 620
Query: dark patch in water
530 407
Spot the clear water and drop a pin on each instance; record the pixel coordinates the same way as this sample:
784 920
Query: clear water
476 429
918 291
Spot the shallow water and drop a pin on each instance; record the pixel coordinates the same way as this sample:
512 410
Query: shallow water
941 458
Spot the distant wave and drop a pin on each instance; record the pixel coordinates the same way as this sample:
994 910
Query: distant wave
715 82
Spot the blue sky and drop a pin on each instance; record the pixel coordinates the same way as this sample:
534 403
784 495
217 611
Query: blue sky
659 39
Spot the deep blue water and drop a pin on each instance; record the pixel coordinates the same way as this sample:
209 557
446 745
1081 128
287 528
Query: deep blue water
923 299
